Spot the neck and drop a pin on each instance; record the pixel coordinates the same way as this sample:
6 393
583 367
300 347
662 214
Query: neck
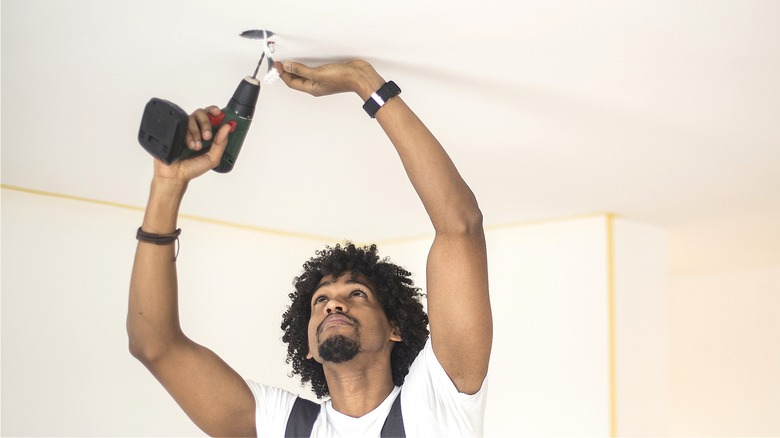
358 390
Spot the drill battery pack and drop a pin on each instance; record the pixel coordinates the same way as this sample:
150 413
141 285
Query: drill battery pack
163 130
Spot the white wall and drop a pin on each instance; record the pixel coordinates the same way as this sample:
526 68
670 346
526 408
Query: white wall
642 362
726 352
549 292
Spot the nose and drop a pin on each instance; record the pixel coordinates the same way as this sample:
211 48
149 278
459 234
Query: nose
335 305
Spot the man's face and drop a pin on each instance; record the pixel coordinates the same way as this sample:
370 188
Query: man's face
347 319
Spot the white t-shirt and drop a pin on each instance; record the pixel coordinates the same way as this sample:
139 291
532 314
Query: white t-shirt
430 403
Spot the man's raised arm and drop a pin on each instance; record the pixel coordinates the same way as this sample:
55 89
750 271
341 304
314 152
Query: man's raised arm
458 300
212 394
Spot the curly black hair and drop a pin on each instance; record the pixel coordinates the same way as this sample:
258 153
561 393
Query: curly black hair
394 288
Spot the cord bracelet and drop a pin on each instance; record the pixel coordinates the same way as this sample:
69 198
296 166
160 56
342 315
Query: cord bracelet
157 239
160 239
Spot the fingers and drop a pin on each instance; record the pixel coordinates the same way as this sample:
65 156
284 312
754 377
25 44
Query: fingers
294 75
199 127
298 69
191 168
329 78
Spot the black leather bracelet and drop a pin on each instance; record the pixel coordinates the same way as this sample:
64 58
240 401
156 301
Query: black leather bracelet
380 97
157 239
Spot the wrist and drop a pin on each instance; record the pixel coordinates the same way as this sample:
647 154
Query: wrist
168 187
367 82
162 209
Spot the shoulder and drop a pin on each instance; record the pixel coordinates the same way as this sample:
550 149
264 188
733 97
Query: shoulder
270 394
433 406
272 408
426 369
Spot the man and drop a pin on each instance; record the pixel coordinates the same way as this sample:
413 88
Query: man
352 330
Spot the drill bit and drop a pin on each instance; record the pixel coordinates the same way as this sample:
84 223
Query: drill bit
258 65
264 35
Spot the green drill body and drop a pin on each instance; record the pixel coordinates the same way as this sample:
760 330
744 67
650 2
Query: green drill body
235 141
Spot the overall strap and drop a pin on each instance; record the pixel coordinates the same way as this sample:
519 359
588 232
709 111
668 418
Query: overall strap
394 424
302 417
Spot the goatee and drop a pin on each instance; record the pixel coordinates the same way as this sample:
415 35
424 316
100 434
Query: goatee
339 349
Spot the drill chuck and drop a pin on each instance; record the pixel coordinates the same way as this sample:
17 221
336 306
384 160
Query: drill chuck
245 97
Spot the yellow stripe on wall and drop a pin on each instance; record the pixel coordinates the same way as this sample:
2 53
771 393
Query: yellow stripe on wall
182 216
69 197
611 322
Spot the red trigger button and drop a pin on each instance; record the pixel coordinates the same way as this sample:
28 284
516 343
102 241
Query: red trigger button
217 120
232 124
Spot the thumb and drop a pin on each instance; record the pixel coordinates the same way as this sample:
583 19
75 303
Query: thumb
298 76
297 69
219 145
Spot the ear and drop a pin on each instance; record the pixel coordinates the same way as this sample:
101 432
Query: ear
395 335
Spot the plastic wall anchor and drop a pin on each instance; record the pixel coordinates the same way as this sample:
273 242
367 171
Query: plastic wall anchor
271 76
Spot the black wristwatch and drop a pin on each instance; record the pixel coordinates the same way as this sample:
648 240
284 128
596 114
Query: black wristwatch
382 95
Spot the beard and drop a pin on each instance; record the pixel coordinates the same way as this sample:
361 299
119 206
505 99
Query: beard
339 349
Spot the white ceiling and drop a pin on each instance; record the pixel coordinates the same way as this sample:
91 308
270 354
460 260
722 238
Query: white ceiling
667 112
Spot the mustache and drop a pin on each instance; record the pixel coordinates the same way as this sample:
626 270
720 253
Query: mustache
351 319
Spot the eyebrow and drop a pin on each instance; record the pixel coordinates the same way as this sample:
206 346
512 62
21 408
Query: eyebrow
350 281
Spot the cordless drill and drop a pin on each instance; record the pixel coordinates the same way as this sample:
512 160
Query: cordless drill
164 127
164 124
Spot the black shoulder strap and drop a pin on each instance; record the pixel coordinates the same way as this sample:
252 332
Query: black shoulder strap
302 417
394 424
304 413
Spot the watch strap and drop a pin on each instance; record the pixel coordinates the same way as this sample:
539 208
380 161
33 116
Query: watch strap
380 97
